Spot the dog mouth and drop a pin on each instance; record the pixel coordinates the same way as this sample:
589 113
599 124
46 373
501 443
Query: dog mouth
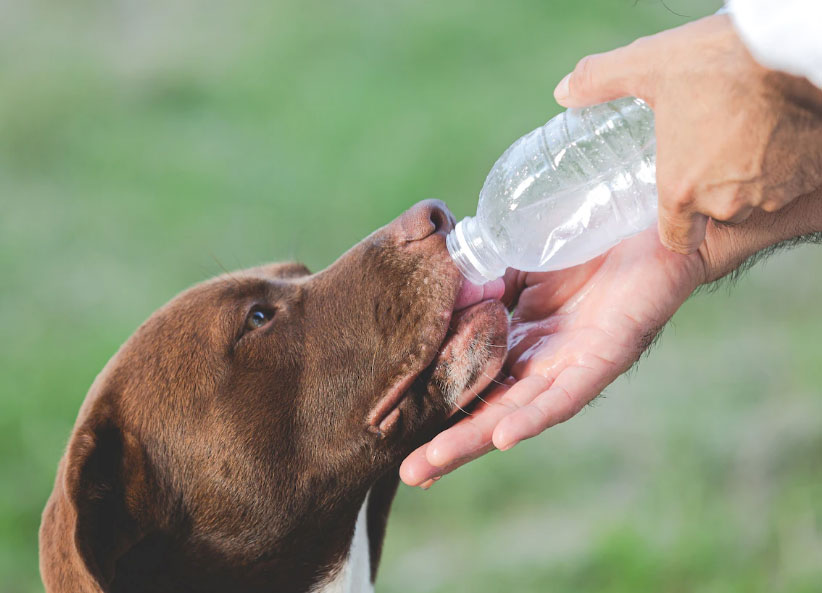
470 354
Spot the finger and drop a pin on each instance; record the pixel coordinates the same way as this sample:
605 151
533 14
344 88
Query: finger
603 77
471 437
681 230
738 217
573 388
458 463
514 283
463 440
428 483
415 469
730 203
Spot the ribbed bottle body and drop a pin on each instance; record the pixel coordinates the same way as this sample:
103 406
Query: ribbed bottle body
571 189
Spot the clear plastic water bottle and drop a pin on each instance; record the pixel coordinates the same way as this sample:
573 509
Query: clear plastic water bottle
563 194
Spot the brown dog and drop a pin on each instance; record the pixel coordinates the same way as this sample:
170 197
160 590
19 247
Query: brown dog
247 436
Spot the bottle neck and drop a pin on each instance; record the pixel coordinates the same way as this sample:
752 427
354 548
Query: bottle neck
473 254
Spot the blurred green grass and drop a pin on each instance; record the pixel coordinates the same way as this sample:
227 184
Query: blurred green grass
145 145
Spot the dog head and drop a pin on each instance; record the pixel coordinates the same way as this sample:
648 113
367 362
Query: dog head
230 434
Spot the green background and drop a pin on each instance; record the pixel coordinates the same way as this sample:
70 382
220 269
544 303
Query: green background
146 144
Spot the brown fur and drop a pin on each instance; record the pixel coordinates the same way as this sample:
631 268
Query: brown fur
210 458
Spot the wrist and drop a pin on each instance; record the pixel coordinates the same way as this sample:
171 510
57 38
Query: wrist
726 247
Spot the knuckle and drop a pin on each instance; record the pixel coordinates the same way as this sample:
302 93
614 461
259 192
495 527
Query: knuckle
508 405
771 205
680 235
583 77
726 211
756 200
570 408
675 220
726 206
644 50
676 196
683 203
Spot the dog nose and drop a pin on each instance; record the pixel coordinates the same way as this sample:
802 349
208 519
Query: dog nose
425 219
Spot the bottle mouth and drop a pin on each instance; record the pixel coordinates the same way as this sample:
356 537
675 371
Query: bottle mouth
472 255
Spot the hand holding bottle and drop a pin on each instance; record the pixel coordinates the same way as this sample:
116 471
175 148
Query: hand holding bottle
732 136
563 194
735 143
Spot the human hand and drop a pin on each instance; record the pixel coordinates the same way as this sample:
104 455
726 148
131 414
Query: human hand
732 136
574 331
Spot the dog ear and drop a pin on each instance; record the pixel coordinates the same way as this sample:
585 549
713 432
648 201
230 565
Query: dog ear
106 483
287 270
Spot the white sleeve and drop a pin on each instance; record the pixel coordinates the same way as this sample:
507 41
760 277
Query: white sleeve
782 35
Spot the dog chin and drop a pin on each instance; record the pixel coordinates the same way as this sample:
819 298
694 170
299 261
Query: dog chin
472 353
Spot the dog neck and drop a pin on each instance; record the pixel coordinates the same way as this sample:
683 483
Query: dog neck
354 574
358 570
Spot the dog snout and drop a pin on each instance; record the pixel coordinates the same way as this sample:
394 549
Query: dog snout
425 219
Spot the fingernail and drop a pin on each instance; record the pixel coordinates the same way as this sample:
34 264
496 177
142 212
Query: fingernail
563 90
427 484
434 455
508 446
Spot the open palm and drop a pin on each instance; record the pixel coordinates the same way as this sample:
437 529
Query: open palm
572 333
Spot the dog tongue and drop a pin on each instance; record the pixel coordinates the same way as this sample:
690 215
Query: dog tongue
471 294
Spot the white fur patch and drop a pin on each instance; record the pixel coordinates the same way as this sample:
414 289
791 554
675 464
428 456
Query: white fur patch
458 377
354 575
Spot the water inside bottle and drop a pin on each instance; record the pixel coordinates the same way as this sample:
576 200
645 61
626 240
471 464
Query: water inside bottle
577 213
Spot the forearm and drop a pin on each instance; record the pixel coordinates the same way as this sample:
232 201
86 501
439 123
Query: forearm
727 247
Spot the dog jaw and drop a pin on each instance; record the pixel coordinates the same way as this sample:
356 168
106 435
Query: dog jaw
472 354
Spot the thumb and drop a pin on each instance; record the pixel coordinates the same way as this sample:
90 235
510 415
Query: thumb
604 77
681 231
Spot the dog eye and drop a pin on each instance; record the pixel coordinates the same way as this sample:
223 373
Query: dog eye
257 318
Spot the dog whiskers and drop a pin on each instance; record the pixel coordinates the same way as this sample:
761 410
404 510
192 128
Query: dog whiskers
476 395
373 362
223 268
463 410
479 397
497 381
